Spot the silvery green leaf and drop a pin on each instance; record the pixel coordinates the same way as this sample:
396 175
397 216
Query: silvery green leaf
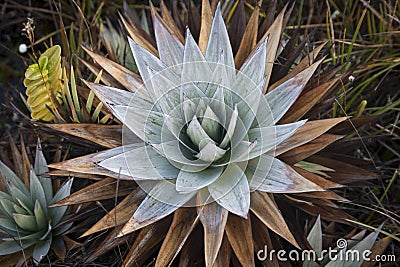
141 163
40 166
40 215
211 124
264 114
269 137
280 178
8 224
193 181
242 151
364 245
40 169
195 132
247 110
26 222
37 191
231 190
170 48
144 123
167 94
218 105
338 262
257 170
145 61
19 236
25 203
110 96
177 158
209 151
57 213
219 47
11 179
161 201
195 67
250 75
189 108
19 209
41 249
9 247
175 126
218 78
6 206
315 239
230 128
282 97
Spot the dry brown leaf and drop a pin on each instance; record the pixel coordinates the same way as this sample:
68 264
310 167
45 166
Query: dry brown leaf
322 195
106 78
139 36
224 254
109 242
324 183
206 22
306 101
304 151
239 233
265 208
249 39
130 80
88 164
261 240
274 35
121 213
191 257
344 172
309 131
378 249
146 242
105 135
104 189
170 22
213 217
183 223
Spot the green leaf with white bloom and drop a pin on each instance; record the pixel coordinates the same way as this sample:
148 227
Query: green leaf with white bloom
26 222
231 191
146 124
41 249
219 47
193 181
195 67
10 247
10 179
282 97
145 61
209 151
143 163
211 125
250 75
7 206
172 55
269 137
161 201
37 192
40 168
314 238
40 215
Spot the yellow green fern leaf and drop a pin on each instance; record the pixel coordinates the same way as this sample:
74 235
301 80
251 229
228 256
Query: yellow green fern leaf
42 81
